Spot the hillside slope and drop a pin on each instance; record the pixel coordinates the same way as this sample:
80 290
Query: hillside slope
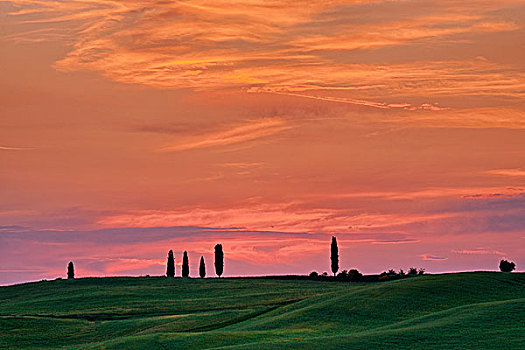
466 310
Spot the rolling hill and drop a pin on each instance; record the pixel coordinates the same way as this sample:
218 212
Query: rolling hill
479 310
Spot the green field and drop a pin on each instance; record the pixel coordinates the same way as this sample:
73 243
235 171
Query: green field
480 310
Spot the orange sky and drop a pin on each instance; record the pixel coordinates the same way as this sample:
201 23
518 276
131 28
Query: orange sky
129 128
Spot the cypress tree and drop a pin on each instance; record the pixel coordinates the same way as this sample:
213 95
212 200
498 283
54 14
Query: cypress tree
185 265
170 270
202 268
334 256
219 260
70 271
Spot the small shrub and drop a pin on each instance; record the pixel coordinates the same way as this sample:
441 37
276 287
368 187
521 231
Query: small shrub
343 275
506 266
412 271
313 274
421 271
354 275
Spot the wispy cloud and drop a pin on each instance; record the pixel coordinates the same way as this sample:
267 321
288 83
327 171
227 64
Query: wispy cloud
507 172
238 134
8 148
276 44
478 251
397 241
285 217
428 257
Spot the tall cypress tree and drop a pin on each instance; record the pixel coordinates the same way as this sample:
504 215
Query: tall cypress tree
334 256
170 270
70 270
185 265
202 268
219 260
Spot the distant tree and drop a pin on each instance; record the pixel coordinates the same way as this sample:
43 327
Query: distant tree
506 266
334 256
313 274
70 270
219 260
185 265
343 275
421 271
412 271
202 268
401 273
170 270
354 275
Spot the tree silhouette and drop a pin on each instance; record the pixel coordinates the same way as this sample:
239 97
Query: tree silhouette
354 275
334 256
170 270
185 265
70 270
202 268
219 260
506 266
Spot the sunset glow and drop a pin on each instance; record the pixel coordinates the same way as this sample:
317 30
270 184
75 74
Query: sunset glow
129 128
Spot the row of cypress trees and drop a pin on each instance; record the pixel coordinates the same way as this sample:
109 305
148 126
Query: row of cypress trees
219 264
170 270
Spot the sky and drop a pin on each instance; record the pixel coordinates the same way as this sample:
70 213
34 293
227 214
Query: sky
129 128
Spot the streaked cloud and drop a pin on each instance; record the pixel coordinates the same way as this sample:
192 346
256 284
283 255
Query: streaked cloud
8 148
428 257
289 217
507 172
478 251
238 134
276 45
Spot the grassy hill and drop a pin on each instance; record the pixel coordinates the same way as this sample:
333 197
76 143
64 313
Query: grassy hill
480 310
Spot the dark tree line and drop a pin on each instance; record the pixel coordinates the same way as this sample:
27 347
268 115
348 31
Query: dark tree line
351 275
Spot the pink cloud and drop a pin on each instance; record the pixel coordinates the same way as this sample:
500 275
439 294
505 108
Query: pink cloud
507 172
288 217
238 134
428 257
478 251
